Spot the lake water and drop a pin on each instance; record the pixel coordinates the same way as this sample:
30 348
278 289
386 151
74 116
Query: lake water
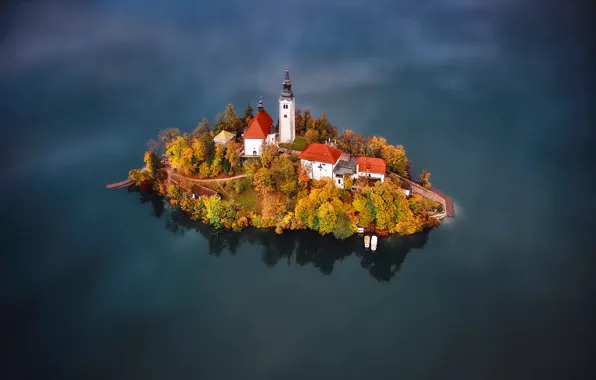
491 96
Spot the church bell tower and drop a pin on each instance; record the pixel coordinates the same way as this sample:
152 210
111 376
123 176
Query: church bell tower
287 112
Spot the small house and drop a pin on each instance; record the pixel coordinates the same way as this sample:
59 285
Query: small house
198 191
319 160
223 137
371 167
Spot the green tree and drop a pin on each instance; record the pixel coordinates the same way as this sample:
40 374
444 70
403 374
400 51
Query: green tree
213 208
343 226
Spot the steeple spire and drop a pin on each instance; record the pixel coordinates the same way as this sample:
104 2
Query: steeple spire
261 108
287 86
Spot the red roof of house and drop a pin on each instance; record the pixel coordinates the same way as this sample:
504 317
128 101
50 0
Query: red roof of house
320 153
259 126
371 165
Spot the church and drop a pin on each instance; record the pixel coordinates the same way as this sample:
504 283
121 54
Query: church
260 128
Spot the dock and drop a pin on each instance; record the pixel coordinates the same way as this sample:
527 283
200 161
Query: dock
121 184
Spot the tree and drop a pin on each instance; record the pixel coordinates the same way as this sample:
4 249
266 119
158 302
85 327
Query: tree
217 163
311 136
299 122
327 218
268 154
152 162
308 119
168 135
364 209
174 151
323 125
262 181
232 154
351 142
348 182
303 177
213 210
248 114
284 175
424 179
343 226
201 129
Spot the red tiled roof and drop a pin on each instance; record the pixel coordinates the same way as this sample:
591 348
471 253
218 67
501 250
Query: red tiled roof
259 126
320 153
371 165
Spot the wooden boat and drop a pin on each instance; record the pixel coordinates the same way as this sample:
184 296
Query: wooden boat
366 241
373 243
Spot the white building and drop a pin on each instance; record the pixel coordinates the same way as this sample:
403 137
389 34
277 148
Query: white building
319 160
260 131
287 112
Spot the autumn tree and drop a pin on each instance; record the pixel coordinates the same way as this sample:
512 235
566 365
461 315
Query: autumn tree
324 127
303 177
201 129
218 158
232 154
152 162
168 135
311 136
308 120
263 181
268 154
424 179
351 142
214 209
248 114
229 121
348 182
284 175
300 122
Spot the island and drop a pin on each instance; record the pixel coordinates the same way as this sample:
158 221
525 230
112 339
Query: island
294 174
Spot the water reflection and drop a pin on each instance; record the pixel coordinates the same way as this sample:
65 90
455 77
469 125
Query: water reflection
304 247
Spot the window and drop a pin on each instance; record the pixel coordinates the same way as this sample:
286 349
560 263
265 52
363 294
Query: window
339 181
285 116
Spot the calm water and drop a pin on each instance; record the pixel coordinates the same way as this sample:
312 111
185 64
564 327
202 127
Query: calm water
491 96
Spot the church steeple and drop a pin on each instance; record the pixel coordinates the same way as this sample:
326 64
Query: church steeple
287 112
261 108
287 86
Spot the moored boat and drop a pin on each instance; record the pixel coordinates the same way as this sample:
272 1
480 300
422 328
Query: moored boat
373 243
366 241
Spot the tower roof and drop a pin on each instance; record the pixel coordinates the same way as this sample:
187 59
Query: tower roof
287 86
